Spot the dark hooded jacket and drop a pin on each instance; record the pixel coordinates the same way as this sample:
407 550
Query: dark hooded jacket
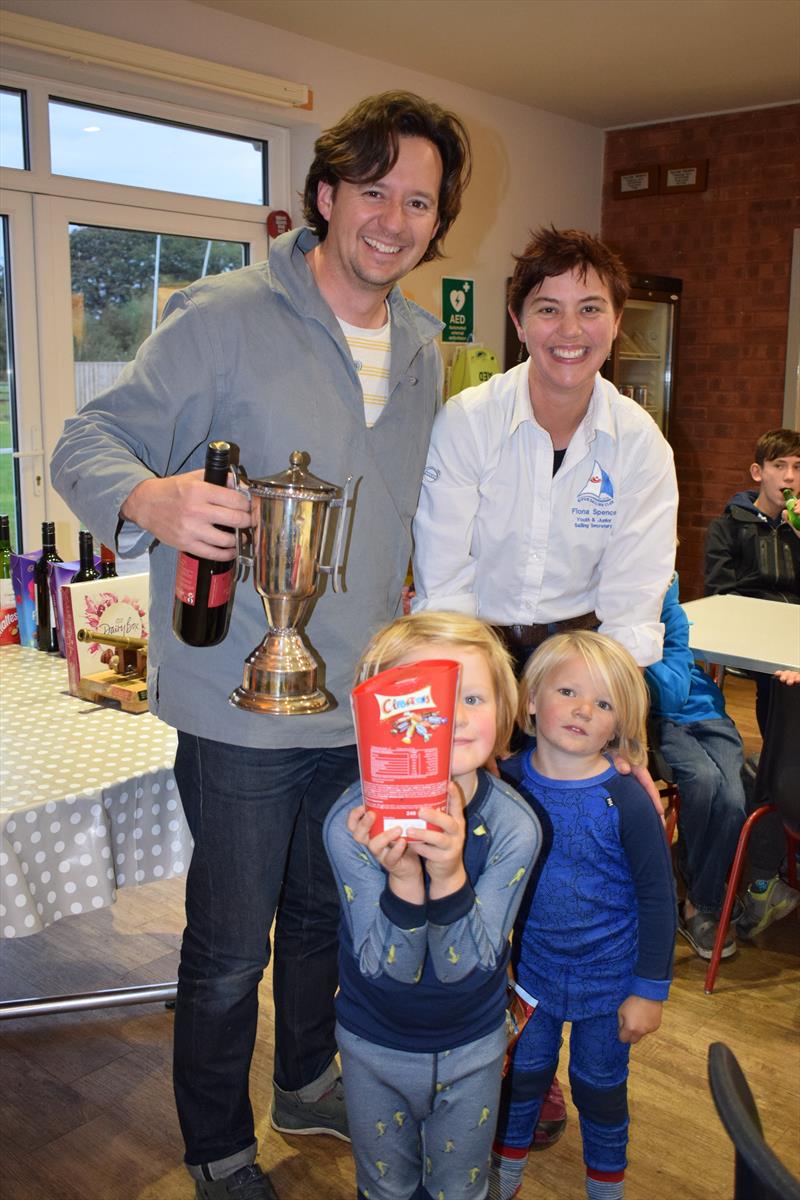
751 554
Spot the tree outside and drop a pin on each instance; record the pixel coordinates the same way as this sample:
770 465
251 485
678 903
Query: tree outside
114 272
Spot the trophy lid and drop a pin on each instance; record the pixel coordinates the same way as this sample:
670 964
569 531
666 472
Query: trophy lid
298 478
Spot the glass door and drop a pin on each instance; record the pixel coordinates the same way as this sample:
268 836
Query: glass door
113 269
22 466
645 350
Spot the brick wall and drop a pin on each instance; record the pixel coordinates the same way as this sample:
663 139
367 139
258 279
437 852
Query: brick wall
731 245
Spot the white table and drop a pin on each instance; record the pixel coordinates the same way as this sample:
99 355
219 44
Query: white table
88 804
739 631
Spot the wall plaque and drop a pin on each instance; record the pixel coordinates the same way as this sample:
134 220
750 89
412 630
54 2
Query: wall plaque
635 181
689 176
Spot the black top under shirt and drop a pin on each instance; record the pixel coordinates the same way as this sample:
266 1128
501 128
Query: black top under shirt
558 458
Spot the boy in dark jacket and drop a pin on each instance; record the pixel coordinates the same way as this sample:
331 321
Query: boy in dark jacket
752 550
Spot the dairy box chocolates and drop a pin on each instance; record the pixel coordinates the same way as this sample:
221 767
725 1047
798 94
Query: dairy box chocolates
104 606
404 720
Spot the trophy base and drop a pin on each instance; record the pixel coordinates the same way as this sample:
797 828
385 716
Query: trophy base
280 677
296 706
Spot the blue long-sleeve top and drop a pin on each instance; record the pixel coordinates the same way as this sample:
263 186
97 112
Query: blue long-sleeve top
432 976
598 920
679 690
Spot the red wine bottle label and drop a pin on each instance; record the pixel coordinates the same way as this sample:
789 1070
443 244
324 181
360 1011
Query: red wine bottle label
219 589
186 579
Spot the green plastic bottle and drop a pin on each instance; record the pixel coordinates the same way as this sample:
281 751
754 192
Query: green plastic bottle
792 507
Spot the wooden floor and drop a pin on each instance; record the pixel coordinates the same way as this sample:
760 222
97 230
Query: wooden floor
86 1108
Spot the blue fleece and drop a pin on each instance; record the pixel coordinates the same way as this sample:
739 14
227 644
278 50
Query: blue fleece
679 690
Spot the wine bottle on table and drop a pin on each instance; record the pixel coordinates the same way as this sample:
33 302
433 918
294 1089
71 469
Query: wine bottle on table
108 563
203 587
9 627
46 633
87 570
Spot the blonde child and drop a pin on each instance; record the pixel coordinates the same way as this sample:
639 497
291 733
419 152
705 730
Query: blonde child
594 939
424 939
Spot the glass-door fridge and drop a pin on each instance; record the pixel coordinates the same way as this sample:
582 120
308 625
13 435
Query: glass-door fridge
643 358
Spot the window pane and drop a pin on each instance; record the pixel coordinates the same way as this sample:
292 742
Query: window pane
94 143
9 483
121 280
12 130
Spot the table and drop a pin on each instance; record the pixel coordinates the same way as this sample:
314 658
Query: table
88 803
740 631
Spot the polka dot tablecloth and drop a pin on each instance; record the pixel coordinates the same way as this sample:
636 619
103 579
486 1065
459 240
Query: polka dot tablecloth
88 800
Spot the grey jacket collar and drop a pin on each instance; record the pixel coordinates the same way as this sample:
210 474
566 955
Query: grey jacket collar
289 273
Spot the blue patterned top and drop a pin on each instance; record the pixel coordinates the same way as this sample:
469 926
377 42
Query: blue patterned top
598 920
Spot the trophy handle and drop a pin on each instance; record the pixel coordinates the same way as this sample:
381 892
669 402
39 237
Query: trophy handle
334 568
244 537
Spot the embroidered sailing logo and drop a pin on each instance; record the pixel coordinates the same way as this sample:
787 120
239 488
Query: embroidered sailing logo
598 488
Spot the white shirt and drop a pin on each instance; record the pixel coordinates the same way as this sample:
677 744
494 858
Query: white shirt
497 535
372 354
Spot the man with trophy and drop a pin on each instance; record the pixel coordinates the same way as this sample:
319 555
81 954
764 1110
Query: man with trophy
262 358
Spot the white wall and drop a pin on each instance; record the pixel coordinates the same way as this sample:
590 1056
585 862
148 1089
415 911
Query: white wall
530 167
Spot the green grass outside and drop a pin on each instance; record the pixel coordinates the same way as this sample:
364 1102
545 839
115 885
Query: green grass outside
7 500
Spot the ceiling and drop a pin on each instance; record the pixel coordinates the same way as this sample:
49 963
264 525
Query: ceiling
607 63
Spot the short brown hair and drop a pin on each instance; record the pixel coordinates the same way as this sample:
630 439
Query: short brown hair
777 443
616 669
428 629
364 146
552 252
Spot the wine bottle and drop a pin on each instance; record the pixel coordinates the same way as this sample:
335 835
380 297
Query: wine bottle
108 563
9 626
87 570
203 587
46 632
792 507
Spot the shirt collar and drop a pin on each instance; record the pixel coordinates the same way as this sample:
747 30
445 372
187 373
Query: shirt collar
598 418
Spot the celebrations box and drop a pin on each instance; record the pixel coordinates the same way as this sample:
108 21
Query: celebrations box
105 606
22 566
404 720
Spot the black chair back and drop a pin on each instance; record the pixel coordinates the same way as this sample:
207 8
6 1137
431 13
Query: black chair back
759 1173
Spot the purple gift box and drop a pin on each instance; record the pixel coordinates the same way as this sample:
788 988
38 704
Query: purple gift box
22 566
59 574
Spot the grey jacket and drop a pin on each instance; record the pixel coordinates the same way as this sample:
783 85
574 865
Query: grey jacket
257 357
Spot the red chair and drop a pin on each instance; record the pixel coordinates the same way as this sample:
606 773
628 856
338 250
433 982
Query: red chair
776 789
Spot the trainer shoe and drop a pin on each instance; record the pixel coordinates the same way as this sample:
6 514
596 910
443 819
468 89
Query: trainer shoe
290 1114
700 932
248 1183
552 1119
766 900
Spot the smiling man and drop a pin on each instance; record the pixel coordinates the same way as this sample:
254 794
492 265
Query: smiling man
549 500
315 350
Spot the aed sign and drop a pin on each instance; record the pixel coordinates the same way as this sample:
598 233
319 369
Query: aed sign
458 309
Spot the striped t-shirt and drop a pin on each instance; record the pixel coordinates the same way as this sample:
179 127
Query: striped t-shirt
371 350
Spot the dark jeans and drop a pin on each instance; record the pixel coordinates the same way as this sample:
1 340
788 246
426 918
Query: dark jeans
706 759
256 818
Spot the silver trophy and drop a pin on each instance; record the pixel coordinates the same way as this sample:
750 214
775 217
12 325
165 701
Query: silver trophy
291 513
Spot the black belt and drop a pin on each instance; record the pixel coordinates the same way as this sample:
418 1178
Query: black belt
528 636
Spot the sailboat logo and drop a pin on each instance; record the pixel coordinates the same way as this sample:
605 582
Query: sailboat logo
598 487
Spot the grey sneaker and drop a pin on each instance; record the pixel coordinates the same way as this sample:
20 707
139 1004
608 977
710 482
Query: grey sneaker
248 1183
290 1114
766 900
700 932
